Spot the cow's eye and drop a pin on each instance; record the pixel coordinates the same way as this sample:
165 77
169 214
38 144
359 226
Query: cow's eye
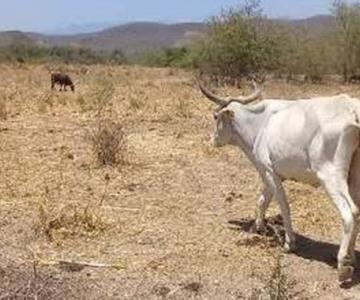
215 116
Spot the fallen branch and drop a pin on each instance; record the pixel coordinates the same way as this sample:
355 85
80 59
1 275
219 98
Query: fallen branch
76 266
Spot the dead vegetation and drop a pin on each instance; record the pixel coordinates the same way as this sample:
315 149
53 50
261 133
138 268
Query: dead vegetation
109 143
278 286
121 173
69 221
3 110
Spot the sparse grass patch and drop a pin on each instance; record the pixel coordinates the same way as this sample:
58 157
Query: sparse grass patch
45 101
98 98
135 102
103 95
81 101
70 220
29 282
109 143
182 108
278 286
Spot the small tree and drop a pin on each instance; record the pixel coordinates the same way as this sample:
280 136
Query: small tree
240 43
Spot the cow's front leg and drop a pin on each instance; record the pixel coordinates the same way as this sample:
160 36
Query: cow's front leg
278 191
263 204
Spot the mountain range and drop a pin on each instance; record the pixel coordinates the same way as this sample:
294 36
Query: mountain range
139 36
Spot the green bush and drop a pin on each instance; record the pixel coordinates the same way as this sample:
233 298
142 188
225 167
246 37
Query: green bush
240 43
169 57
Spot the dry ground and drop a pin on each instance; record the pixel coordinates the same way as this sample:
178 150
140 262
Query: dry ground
169 221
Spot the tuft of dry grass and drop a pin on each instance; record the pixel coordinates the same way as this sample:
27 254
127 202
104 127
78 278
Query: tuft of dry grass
137 99
182 108
277 287
135 102
3 110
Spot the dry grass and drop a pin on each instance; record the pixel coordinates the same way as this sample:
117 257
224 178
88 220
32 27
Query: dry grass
32 283
98 98
164 214
3 110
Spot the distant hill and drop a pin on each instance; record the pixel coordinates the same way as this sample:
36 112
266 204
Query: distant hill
133 37
73 29
16 37
136 37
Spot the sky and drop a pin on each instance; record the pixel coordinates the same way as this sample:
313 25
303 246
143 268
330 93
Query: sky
47 15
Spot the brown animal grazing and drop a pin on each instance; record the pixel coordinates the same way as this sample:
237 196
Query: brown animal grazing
63 80
354 79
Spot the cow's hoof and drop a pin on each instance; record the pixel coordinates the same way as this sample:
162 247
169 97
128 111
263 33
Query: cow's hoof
345 273
289 247
258 228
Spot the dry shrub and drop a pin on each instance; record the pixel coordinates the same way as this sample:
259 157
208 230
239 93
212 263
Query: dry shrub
109 143
70 220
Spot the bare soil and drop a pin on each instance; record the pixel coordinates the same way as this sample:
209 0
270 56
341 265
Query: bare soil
171 221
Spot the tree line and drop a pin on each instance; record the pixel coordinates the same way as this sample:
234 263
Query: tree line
243 42
24 53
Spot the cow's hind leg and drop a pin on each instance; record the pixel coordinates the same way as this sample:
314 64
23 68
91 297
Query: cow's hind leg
334 176
337 189
354 187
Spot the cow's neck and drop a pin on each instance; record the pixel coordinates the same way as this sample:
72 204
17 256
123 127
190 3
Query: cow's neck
248 124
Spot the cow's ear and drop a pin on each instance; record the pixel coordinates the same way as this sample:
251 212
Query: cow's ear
229 114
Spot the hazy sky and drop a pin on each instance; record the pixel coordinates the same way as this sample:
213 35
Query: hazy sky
43 15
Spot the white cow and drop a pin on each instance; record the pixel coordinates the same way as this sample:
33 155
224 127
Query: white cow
312 140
